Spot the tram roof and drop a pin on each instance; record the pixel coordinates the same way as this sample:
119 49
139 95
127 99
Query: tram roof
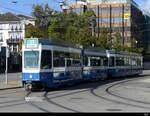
122 53
57 42
93 49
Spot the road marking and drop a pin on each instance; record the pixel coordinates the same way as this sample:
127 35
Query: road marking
39 99
144 80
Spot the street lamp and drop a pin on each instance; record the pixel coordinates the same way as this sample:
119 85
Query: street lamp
136 43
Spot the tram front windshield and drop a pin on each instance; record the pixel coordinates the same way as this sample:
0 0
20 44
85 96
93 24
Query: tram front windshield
31 59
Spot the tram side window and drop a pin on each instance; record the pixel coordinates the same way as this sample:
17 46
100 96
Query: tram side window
46 59
59 58
95 61
66 59
120 61
105 61
112 62
76 62
85 61
134 62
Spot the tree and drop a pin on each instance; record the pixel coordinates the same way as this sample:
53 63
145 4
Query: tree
104 41
42 14
33 31
72 27
117 45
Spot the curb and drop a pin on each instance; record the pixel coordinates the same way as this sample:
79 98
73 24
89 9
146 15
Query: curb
10 85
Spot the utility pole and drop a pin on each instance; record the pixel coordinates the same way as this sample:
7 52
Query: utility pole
0 60
110 31
123 24
6 71
98 20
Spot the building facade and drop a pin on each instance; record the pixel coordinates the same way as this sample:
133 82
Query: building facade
12 33
123 16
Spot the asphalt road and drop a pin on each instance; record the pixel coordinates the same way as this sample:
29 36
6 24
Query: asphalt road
130 94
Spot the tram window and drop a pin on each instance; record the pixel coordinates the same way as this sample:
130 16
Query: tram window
71 59
46 59
134 62
75 59
120 61
59 59
76 62
85 61
112 62
68 62
95 61
105 61
31 59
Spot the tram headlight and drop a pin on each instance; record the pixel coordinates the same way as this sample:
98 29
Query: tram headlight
30 76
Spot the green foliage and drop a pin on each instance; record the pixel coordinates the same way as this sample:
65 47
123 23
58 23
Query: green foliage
43 14
33 31
72 27
75 28
117 45
134 48
104 41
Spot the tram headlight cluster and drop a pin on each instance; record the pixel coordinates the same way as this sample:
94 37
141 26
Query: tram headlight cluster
30 76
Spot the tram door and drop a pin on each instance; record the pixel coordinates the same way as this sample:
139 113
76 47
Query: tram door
112 61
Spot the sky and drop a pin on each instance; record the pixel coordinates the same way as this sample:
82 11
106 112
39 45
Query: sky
25 6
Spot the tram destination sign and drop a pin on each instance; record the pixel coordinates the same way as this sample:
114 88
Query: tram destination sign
31 43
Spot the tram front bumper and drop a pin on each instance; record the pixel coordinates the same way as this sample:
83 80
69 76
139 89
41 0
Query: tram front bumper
31 77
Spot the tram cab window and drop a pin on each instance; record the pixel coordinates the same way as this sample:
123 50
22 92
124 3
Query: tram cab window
46 60
111 62
31 59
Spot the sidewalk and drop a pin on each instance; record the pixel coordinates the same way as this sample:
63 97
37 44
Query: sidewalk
4 86
14 81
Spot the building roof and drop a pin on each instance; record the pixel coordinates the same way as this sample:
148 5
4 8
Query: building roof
100 2
24 17
8 17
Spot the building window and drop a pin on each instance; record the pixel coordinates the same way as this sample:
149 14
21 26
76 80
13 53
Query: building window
116 19
116 10
105 10
105 20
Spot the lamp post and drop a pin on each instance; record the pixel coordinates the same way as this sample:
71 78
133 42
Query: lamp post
6 71
92 21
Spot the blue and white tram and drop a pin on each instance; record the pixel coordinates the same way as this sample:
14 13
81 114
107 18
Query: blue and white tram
50 63
123 64
137 64
95 63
